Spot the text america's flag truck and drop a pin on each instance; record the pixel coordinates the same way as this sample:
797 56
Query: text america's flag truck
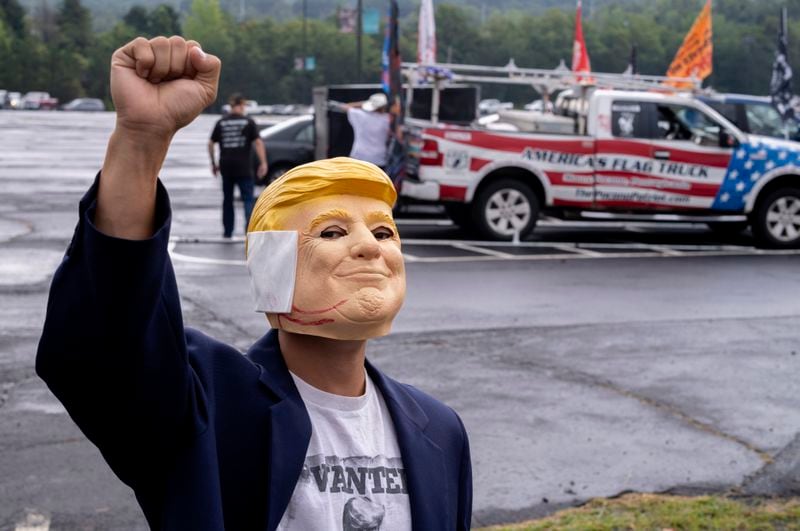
626 152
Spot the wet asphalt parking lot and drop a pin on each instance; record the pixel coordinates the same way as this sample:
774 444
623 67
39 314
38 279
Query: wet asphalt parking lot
590 360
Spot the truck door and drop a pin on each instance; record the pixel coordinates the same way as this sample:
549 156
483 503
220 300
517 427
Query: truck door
689 162
624 158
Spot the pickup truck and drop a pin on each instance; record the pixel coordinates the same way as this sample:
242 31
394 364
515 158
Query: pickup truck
38 101
627 154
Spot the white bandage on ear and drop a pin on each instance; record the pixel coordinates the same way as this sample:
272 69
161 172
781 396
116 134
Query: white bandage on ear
272 263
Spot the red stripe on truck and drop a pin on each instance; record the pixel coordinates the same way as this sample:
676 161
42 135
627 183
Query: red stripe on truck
476 164
452 193
676 154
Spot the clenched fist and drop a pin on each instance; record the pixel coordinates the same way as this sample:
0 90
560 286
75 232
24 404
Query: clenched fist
160 85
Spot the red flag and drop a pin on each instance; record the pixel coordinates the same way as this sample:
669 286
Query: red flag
580 57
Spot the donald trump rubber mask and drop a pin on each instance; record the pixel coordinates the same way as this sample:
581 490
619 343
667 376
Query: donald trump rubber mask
324 253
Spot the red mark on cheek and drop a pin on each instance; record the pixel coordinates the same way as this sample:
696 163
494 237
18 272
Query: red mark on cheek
301 322
295 309
309 323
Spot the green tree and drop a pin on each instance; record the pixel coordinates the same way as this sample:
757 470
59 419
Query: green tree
138 19
6 59
208 25
13 15
164 20
457 35
74 23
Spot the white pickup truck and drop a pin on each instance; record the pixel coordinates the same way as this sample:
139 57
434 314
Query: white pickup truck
625 153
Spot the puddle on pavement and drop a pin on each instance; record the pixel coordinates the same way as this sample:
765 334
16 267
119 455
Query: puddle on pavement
19 267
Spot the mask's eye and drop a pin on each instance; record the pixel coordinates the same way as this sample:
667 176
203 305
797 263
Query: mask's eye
332 233
383 233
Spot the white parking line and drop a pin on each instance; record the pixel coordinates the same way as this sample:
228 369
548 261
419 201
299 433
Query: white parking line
575 249
481 250
667 250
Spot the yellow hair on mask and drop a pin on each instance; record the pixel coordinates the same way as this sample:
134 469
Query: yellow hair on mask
337 176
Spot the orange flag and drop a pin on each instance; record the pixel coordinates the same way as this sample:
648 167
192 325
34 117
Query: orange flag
694 56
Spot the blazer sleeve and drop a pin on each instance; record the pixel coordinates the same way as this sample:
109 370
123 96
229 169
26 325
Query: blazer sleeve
465 484
113 348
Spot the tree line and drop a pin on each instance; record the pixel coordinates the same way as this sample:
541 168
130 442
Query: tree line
55 49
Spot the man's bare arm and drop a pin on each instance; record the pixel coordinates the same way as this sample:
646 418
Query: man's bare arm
212 156
261 151
158 86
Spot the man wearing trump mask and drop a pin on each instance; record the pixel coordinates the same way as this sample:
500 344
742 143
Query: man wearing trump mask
301 432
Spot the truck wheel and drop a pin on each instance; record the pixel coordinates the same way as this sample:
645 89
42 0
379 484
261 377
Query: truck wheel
776 222
504 207
460 214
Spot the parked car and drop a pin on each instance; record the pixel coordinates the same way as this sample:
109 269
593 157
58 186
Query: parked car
3 94
84 104
38 101
13 100
539 106
491 106
289 144
753 114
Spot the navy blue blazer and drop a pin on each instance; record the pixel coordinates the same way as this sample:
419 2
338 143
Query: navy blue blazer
206 437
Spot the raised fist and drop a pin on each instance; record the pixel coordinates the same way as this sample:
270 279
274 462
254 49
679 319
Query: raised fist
161 85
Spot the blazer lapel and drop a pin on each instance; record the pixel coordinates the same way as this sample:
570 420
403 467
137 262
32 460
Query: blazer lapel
290 427
422 458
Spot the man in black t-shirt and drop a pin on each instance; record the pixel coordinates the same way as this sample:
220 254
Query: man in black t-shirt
236 134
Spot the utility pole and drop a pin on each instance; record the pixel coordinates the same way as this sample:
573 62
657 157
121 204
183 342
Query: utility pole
359 28
305 31
304 73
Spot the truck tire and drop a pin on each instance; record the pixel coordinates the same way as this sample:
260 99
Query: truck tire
776 220
504 207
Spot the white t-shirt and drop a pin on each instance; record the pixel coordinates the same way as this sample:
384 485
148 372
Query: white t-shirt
353 476
370 135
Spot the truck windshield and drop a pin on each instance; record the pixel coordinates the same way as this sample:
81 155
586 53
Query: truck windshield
763 119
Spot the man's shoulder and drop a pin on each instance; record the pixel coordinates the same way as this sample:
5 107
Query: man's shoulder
435 409
438 416
209 352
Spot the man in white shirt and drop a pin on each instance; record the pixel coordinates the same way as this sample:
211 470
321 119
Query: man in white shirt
371 123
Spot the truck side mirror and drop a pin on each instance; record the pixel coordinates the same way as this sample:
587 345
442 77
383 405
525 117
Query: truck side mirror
727 140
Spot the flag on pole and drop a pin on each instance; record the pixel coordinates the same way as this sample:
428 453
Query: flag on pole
780 86
632 68
694 56
426 40
390 59
580 57
392 82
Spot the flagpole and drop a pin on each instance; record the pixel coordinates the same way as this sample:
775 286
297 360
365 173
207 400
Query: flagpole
784 30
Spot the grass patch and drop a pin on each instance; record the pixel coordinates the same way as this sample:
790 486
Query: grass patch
660 512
